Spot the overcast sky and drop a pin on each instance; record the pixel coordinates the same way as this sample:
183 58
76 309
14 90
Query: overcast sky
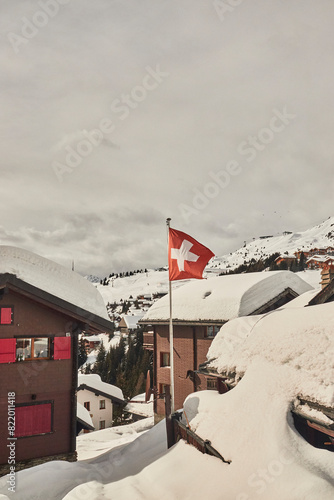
216 114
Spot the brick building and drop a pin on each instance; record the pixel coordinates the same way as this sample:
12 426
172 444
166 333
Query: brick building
200 308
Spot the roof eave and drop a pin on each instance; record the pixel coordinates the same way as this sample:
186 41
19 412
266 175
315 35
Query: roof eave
98 392
88 320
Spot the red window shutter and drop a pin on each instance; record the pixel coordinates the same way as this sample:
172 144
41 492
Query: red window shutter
7 350
32 419
6 315
62 348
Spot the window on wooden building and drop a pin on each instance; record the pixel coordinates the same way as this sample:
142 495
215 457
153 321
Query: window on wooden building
102 404
211 384
6 316
31 420
164 359
211 331
87 405
28 349
102 424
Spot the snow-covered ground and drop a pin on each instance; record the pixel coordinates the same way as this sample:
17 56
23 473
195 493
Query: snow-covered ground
133 286
251 426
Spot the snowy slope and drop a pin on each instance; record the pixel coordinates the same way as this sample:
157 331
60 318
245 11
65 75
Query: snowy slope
153 281
319 236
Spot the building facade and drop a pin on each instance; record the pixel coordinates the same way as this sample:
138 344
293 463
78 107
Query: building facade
200 309
38 362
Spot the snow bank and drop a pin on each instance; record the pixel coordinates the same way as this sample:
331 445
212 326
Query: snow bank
225 297
54 480
252 426
94 382
52 278
298 338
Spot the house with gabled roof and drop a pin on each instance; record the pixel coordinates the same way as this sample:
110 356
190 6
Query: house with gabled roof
200 308
84 420
98 398
129 323
43 308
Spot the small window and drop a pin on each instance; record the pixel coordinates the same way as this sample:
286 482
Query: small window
164 359
212 330
102 424
32 348
102 404
87 405
6 315
211 384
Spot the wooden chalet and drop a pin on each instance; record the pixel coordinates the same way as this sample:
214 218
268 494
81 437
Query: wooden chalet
200 309
129 323
43 308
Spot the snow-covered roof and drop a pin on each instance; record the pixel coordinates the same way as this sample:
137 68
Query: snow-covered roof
320 258
301 339
93 338
132 321
84 415
138 406
52 278
94 382
225 297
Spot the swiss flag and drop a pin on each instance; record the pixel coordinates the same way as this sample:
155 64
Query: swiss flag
187 257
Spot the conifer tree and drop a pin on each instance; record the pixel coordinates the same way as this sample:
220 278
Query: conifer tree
82 354
301 265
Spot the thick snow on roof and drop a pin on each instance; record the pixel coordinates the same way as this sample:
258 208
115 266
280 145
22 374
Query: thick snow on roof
84 414
132 321
225 297
138 406
311 276
52 278
299 339
94 382
252 428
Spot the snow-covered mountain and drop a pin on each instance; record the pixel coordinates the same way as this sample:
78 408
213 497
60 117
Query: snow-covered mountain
287 243
155 282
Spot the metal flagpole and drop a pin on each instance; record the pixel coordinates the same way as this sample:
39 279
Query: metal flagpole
171 338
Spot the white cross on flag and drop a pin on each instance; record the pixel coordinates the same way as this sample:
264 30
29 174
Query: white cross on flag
187 257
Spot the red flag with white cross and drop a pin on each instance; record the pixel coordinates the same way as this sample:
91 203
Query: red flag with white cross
187 257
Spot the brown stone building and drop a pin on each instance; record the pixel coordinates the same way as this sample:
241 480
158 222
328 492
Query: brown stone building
200 308
43 307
